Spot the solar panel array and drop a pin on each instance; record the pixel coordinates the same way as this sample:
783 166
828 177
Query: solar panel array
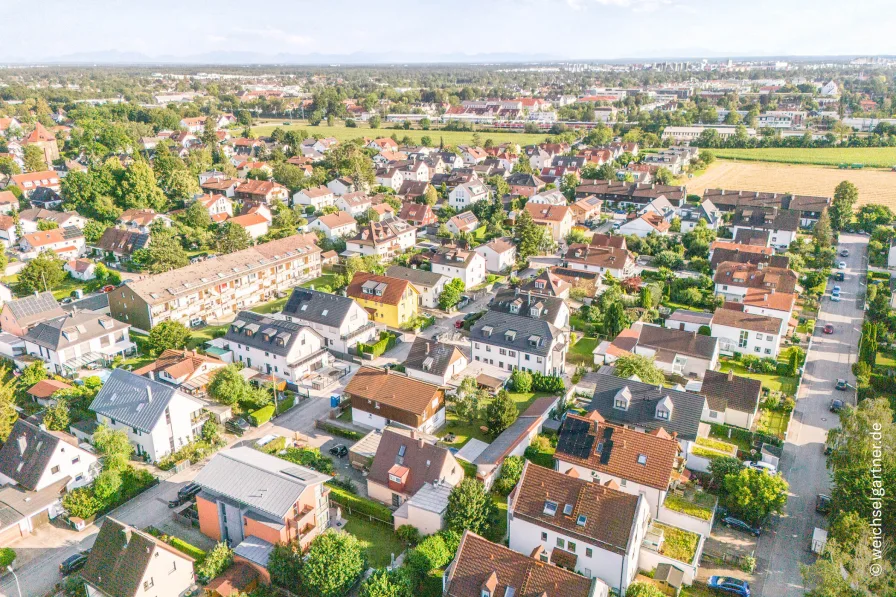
574 438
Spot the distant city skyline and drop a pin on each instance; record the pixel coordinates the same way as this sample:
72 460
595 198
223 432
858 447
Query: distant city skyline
427 31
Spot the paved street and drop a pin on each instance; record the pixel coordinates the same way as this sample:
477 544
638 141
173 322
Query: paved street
783 548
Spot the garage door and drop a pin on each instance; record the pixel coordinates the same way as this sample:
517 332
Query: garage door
10 535
40 519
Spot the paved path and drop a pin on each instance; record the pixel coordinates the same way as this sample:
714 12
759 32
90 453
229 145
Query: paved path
785 547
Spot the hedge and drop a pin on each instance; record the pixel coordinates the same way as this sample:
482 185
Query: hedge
359 504
286 404
707 453
386 342
274 446
7 557
184 547
346 433
262 415
547 383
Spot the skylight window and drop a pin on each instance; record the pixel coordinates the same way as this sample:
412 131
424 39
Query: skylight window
567 509
550 508
642 458
581 520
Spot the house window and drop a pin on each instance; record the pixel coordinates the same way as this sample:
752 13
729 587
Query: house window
571 547
588 552
488 348
527 358
759 336
76 460
768 338
512 353
662 414
742 340
757 349
55 469
544 536
561 543
768 351
713 414
396 500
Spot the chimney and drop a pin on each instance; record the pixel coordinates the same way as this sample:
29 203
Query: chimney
731 375
149 393
151 375
427 348
420 442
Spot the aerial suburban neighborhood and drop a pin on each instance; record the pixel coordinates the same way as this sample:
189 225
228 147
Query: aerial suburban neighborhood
497 327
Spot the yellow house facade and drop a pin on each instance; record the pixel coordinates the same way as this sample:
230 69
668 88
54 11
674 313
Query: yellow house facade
390 301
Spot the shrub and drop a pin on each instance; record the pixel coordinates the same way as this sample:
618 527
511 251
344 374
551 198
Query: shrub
346 433
430 554
385 343
7 557
521 381
194 452
310 457
346 484
359 504
216 561
184 547
334 562
642 589
511 469
408 533
274 446
262 415
547 383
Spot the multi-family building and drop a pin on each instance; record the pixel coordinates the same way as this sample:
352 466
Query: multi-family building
674 351
72 341
464 196
734 281
468 266
556 218
382 397
391 301
515 301
809 207
385 239
740 331
434 362
338 225
68 243
339 320
499 253
783 225
510 342
428 284
317 197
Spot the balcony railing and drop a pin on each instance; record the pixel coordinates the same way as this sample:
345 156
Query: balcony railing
366 327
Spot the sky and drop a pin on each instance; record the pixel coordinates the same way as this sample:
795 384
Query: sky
424 30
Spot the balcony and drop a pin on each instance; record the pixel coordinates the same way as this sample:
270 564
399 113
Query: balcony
367 326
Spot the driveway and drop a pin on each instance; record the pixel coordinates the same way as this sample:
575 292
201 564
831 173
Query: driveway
785 546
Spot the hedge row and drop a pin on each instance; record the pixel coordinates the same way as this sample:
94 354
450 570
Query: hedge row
744 435
359 504
386 342
547 383
262 415
346 433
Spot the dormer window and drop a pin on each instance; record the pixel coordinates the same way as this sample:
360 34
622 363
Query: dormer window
539 284
664 409
534 341
535 311
581 520
487 330
510 335
623 399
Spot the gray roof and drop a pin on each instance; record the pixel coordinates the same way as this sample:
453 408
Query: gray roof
30 447
523 302
417 277
266 483
318 307
524 328
701 317
677 341
255 550
272 335
432 497
686 406
33 308
73 328
439 355
134 400
97 302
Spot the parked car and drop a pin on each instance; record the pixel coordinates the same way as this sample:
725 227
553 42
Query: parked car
836 290
828 329
761 466
184 495
835 298
836 405
107 288
458 324
196 322
237 426
730 585
842 265
841 384
72 564
740 525
839 276
339 451
844 253
822 503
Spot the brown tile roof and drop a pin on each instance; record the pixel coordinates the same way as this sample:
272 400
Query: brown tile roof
391 294
779 301
249 219
454 257
547 213
621 449
320 191
178 363
423 461
500 245
547 283
747 236
46 388
747 275
257 187
726 390
335 220
657 221
727 244
608 257
7 198
141 217
480 562
392 389
609 514
415 212
732 316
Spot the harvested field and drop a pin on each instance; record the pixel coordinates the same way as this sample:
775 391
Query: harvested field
875 186
879 157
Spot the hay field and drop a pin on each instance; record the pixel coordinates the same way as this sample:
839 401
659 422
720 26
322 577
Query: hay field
878 157
875 186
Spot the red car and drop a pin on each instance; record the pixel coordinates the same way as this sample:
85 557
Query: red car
108 288
828 329
459 324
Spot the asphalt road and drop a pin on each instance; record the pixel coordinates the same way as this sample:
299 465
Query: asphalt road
786 545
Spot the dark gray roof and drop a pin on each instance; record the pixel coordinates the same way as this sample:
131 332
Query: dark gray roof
509 299
318 307
677 341
29 447
417 277
42 195
97 302
33 308
134 400
726 390
73 328
767 218
272 335
440 356
686 407
524 328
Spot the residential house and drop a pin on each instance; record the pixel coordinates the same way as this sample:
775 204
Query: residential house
31 218
556 218
739 331
337 225
781 224
68 243
263 192
44 140
622 194
411 190
428 284
20 315
158 418
472 155
734 280
552 197
217 288
341 185
126 561
256 224
405 464
389 177
141 219
383 144
586 209
690 216
383 397
721 251
499 254
674 351
524 184
434 362
648 223
549 284
42 392
808 207
70 342
468 266
219 207
618 262
184 369
9 203
416 170
317 197
119 244
34 458
8 231
276 502
356 203
220 185
386 238
511 342
481 568
390 301
339 320
464 196
587 527
688 321
81 269
731 399
528 304
462 222
45 198
417 214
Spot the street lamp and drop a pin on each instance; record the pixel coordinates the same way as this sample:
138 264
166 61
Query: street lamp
18 587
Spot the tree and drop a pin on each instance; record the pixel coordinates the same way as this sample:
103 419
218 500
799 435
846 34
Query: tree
374 121
530 235
451 294
139 189
9 167
470 507
723 466
642 589
285 564
34 159
642 366
845 196
388 583
7 557
167 334
822 233
45 225
42 273
430 197
56 416
500 413
233 238
113 446
228 386
165 252
521 381
107 485
468 400
754 494
664 176
216 561
333 564
615 319
8 412
93 230
32 374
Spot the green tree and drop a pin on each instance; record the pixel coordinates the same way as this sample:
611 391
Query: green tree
42 273
56 416
332 565
664 176
530 236
165 251
642 366
34 159
107 485
468 400
8 167
822 233
139 189
228 386
216 561
8 412
451 294
182 185
642 589
841 211
387 583
754 494
500 413
470 507
374 121
113 446
167 334
521 381
44 225
233 238
32 374
7 557
93 230
285 564
615 319
431 196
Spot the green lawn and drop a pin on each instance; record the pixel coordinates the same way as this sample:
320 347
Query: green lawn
879 157
772 423
325 279
465 432
499 531
377 538
343 133
580 353
62 290
780 383
697 504
886 360
678 544
271 307
543 458
203 335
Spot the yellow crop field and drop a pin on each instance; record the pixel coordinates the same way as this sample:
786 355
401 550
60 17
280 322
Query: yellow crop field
875 186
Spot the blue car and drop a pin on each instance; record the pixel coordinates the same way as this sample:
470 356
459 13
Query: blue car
730 585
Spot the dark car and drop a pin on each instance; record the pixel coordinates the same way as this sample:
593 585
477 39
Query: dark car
740 525
839 276
828 329
844 253
237 426
184 495
836 405
841 384
822 503
730 585
72 564
339 451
